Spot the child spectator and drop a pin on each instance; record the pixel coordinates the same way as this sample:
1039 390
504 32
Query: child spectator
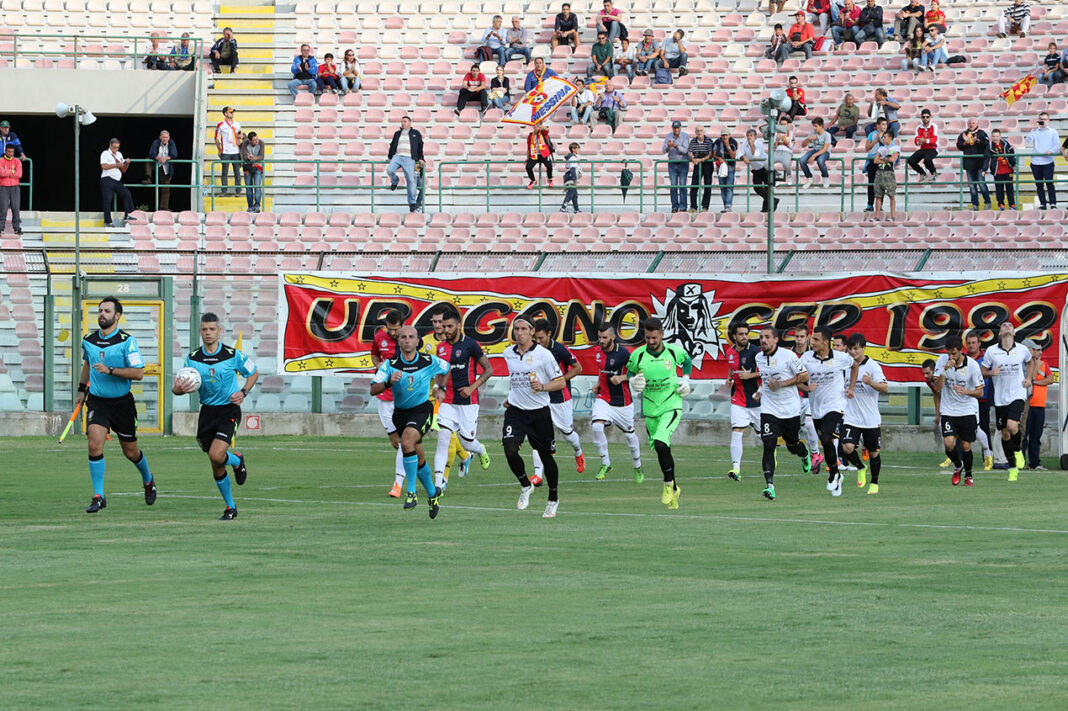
626 59
328 77
572 173
885 181
784 146
777 48
819 149
797 96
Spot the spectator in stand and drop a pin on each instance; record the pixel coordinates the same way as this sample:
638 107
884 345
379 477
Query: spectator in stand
975 146
475 88
252 153
754 153
1015 20
819 150
934 50
600 58
566 28
885 105
572 173
500 94
517 42
797 99
611 105
870 25
494 39
775 6
778 48
801 36
907 18
583 104
626 60
819 13
1044 141
610 21
673 53
157 58
677 147
228 145
846 25
540 149
704 165
913 50
8 138
845 119
886 156
304 70
10 192
1036 410
224 51
538 74
351 79
327 75
649 54
112 167
406 152
871 145
784 146
725 149
936 18
1001 162
1052 71
183 56
161 153
926 140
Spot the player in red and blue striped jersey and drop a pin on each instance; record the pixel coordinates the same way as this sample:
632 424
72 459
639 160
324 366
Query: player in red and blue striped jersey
612 402
745 392
560 403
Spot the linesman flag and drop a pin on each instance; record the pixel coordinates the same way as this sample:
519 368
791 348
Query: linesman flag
1020 89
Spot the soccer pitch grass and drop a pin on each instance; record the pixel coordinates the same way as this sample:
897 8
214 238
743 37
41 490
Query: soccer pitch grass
325 594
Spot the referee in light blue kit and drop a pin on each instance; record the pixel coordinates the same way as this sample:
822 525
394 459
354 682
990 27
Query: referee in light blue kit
220 404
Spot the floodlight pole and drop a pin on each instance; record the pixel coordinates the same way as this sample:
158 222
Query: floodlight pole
76 290
773 120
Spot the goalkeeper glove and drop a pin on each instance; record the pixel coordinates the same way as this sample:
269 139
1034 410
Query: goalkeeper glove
684 386
637 383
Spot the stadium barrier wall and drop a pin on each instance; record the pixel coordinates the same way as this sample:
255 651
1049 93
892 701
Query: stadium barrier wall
136 93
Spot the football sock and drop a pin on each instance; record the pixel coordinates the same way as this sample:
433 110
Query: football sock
667 462
968 457
224 489
875 464
232 460
798 448
411 468
855 459
536 459
769 460
832 462
984 440
1017 441
811 438
736 449
572 438
552 475
516 463
600 441
426 478
398 465
472 445
635 447
442 452
1008 446
142 466
954 455
96 473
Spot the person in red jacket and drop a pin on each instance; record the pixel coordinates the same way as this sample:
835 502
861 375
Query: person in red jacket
819 11
801 36
539 150
10 195
926 140
797 97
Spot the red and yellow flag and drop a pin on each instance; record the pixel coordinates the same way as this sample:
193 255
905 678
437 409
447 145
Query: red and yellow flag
1018 90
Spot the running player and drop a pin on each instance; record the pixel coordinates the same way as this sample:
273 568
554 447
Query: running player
653 372
457 454
781 372
409 375
384 347
533 373
928 369
612 403
112 360
828 372
745 392
801 346
220 404
973 346
560 403
862 417
1009 365
960 383
458 411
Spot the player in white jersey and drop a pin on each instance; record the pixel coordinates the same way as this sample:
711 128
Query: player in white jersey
829 372
780 404
560 403
801 346
1010 367
862 417
959 381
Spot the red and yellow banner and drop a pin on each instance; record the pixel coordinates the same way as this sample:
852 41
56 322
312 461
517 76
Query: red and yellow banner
327 320
1020 89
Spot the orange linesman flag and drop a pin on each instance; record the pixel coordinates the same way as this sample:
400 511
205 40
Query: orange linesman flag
1018 90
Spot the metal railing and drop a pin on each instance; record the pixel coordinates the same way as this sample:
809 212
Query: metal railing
209 189
27 182
94 47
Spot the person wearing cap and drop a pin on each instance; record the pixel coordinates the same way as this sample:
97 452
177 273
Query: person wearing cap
649 54
677 148
725 149
1036 412
112 167
10 192
228 144
8 137
801 36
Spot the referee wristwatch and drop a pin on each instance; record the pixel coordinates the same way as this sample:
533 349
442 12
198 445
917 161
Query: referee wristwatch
244 392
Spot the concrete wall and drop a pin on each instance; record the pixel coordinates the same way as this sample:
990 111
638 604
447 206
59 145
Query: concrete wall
104 92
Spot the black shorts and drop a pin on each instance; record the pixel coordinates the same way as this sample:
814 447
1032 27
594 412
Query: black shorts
1003 413
118 414
417 418
772 427
961 427
870 438
217 422
828 426
534 425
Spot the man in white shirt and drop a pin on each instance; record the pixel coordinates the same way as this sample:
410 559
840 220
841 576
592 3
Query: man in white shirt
1009 366
532 374
754 153
112 167
582 104
959 383
228 143
781 372
1044 141
829 371
862 417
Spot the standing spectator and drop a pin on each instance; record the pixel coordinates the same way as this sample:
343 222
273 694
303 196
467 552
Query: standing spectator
304 70
610 21
224 51
500 90
538 74
572 173
819 12
627 59
566 28
517 41
161 153
157 58
1016 19
8 138
936 18
802 36
871 145
913 50
183 55
677 148
819 150
112 167
885 181
975 146
1036 411
778 48
704 166
934 50
870 25
926 141
845 119
494 39
1001 162
797 99
784 146
754 153
610 106
405 152
475 88
327 75
674 53
600 58
351 79
228 145
846 26
1044 141
252 152
582 104
907 18
10 192
1052 71
540 149
726 151
649 54
883 105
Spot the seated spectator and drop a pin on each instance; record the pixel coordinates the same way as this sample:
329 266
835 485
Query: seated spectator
935 17
725 149
252 152
540 149
600 58
907 19
494 39
845 119
161 153
870 26
649 54
8 138
304 70
475 88
610 21
1052 71
784 146
224 51
926 141
1016 20
610 106
885 181
885 106
847 25
777 49
836 10
673 53
156 58
583 104
797 99
626 59
913 50
754 153
182 55
775 6
819 150
934 50
1001 163
566 28
500 94
327 76
819 13
975 146
517 42
871 145
351 78
537 75
801 36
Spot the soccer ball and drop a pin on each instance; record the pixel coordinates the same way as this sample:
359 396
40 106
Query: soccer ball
189 375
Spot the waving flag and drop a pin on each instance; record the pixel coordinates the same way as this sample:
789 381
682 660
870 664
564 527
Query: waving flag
1018 90
540 102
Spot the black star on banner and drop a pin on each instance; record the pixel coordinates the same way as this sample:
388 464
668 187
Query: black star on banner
302 365
1027 282
1001 285
333 283
329 362
970 288
938 293
880 300
299 279
456 299
517 304
361 287
398 290
429 295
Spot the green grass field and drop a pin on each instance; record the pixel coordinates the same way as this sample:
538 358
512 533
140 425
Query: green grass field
325 594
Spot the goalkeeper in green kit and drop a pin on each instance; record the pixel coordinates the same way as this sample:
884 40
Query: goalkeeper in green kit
653 372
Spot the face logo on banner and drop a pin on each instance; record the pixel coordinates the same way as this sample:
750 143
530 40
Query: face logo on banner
689 320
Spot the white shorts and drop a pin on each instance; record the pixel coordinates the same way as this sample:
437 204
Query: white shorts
385 415
461 419
563 415
745 417
622 416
